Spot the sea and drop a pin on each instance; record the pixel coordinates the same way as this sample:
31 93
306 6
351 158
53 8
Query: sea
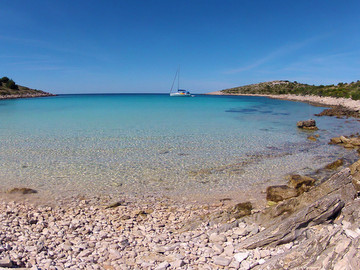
153 144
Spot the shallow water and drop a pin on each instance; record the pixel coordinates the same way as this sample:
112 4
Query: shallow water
155 144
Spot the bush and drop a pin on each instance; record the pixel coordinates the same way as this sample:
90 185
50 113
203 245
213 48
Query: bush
355 95
11 84
4 79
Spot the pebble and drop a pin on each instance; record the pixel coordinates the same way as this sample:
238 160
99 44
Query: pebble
82 235
241 256
162 266
218 260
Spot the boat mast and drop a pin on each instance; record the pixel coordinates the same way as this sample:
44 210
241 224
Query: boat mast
179 78
172 86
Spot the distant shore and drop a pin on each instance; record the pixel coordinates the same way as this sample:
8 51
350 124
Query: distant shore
26 96
348 103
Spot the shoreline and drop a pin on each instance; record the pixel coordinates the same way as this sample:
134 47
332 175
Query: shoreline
353 105
2 97
150 232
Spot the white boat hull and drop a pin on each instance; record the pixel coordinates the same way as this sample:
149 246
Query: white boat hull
180 95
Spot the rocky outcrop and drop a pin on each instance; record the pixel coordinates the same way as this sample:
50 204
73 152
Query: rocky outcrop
339 111
307 124
347 142
323 221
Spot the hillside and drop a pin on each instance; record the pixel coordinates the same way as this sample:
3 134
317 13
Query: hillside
346 90
9 89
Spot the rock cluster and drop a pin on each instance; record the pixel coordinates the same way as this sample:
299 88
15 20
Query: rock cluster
339 112
351 142
318 229
297 185
307 124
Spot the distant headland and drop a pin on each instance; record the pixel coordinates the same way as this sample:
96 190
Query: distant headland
10 90
283 87
344 96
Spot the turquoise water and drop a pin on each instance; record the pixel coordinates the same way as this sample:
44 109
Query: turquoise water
143 144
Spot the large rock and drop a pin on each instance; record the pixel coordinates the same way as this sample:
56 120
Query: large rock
290 228
285 221
280 193
297 181
307 124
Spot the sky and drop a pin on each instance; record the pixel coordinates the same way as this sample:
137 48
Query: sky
133 46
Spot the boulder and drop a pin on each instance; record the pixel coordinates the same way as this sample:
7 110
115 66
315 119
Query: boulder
240 210
335 140
312 138
296 181
280 193
307 124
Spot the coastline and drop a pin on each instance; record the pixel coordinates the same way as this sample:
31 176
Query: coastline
353 105
2 97
147 232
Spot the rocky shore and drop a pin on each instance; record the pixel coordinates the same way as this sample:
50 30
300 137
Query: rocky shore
34 95
346 104
307 224
317 227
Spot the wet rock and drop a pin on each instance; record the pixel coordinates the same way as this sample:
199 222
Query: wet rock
280 193
22 191
334 165
339 111
296 181
335 140
307 124
240 210
312 138
116 204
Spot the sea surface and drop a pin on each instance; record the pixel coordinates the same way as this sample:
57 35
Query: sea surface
156 144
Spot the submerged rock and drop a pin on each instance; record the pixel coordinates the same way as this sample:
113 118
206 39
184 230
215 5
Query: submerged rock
22 191
334 165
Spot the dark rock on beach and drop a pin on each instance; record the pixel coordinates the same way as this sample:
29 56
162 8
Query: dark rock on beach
280 193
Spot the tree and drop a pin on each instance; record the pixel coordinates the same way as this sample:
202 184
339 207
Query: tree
4 79
11 84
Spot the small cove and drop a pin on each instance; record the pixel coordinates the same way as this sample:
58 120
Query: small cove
153 144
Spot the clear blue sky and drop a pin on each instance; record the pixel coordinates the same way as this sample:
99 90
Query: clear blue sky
136 46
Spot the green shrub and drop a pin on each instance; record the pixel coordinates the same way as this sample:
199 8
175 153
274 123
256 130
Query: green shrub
4 79
11 84
355 95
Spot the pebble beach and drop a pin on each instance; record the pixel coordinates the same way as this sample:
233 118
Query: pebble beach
121 232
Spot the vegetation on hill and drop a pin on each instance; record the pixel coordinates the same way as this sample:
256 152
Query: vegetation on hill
346 90
9 88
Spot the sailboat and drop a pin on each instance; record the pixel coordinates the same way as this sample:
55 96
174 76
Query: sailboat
180 92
